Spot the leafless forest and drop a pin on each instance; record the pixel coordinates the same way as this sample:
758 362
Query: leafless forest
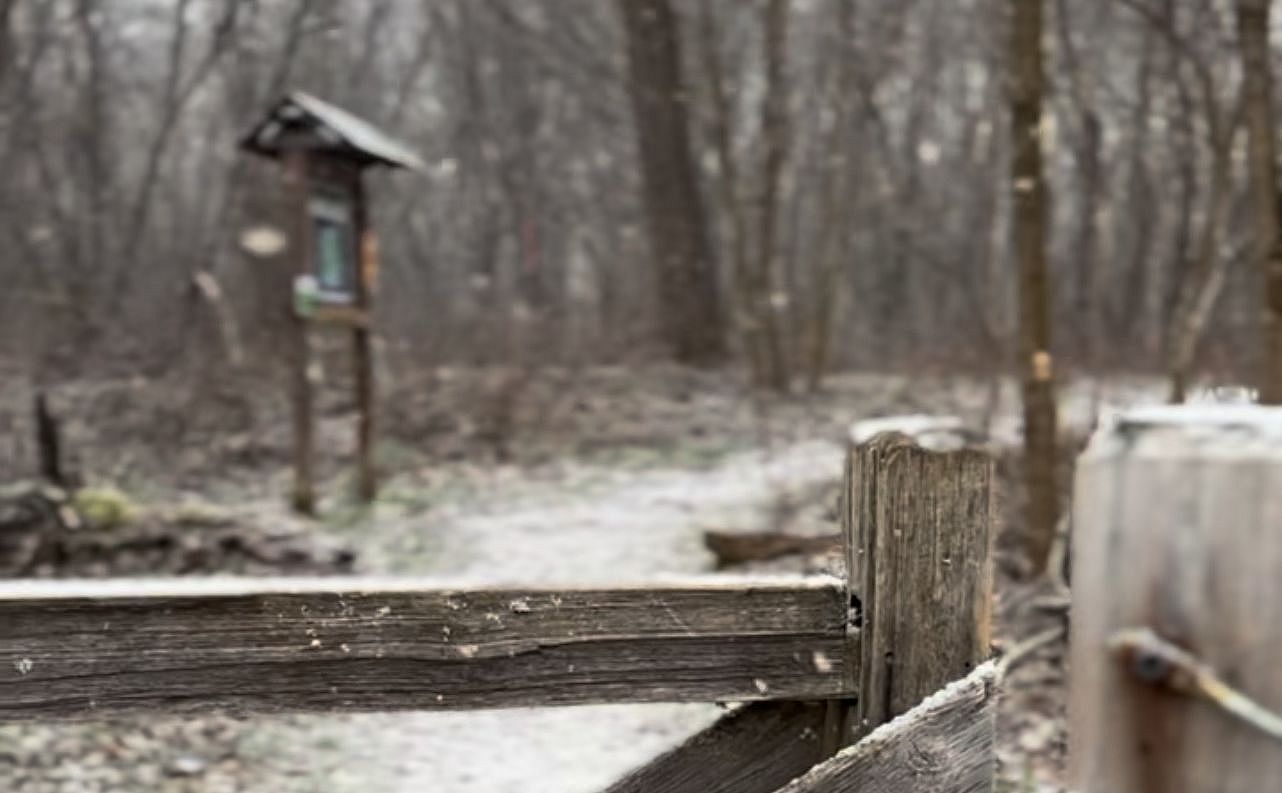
660 255
830 180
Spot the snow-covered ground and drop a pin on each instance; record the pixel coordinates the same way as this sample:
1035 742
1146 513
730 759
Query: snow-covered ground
587 524
611 525
565 522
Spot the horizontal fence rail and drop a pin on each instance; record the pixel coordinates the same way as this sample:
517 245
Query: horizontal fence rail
77 650
917 537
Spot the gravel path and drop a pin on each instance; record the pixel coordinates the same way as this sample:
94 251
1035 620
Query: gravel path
611 526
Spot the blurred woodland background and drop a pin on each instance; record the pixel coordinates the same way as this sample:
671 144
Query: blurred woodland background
661 256
828 181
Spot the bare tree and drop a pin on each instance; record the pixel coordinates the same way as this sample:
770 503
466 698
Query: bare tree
1085 131
832 250
6 35
766 295
1253 41
678 230
751 196
1029 197
855 207
1198 281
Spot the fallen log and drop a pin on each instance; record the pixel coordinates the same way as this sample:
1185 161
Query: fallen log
732 548
46 532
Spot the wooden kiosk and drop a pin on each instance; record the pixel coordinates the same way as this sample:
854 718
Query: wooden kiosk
331 249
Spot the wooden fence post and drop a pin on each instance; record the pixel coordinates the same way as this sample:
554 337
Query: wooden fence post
918 536
362 349
1177 558
303 498
918 532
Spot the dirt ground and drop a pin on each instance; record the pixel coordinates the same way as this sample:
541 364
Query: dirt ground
504 476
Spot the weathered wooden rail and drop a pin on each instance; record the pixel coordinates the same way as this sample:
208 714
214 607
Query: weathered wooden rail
88 649
821 662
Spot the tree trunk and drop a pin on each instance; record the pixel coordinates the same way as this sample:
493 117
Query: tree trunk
6 36
1087 147
833 234
745 320
1029 202
1204 279
774 139
1253 43
49 442
685 275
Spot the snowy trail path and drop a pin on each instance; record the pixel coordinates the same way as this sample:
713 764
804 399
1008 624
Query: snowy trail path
622 526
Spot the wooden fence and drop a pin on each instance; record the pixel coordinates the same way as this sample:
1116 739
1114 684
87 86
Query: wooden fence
891 660
1177 626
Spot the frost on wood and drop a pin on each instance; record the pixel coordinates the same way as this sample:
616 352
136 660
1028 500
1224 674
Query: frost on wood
944 745
937 433
1201 429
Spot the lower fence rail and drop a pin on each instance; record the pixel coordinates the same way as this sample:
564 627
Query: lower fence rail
946 744
755 749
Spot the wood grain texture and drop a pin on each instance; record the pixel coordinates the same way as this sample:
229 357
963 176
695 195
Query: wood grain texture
82 649
919 538
756 749
944 745
1176 519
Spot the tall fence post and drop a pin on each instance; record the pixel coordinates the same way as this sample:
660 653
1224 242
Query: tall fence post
1177 620
303 498
918 535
